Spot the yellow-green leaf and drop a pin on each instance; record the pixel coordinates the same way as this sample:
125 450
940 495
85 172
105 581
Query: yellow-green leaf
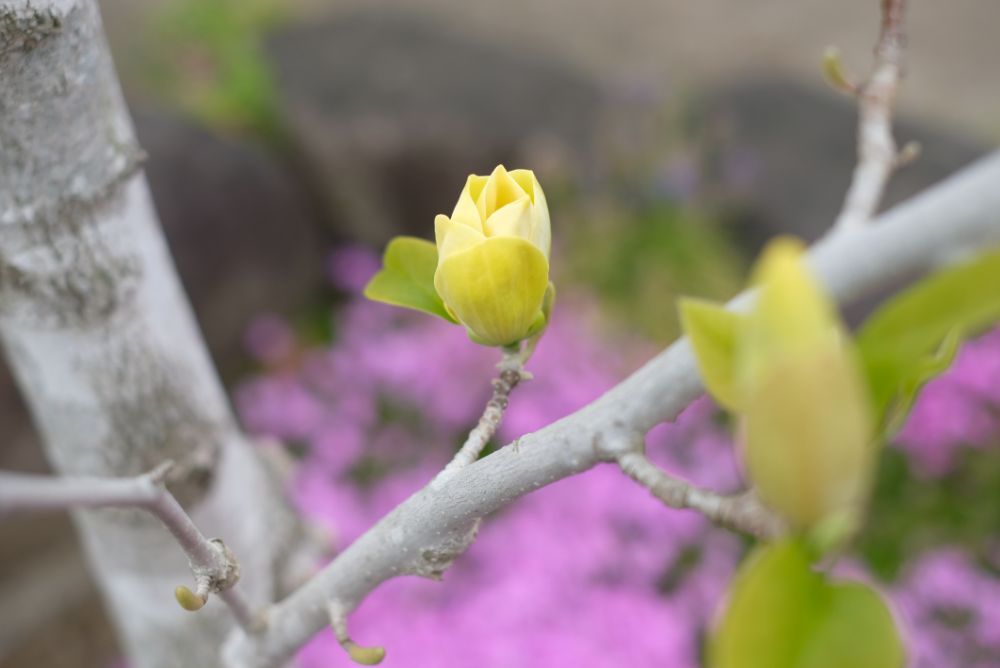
856 630
407 277
914 336
714 334
783 614
791 312
807 436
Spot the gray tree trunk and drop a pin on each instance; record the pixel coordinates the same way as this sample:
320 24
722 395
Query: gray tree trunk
102 340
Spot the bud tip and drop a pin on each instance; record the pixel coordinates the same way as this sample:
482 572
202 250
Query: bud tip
366 656
188 599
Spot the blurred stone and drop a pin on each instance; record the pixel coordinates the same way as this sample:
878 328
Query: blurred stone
242 230
390 112
782 153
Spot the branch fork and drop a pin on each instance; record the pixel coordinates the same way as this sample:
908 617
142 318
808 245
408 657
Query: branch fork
742 512
511 373
215 568
878 155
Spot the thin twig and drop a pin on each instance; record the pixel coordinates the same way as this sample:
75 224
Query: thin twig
877 152
366 656
742 512
511 372
215 568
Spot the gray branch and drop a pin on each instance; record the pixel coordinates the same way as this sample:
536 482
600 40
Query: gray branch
511 372
877 154
742 512
213 565
424 534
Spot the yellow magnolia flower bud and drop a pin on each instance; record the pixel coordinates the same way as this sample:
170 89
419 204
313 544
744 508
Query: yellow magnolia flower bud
807 422
493 257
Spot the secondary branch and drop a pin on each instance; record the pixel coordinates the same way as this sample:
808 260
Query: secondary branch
742 512
511 372
214 567
877 154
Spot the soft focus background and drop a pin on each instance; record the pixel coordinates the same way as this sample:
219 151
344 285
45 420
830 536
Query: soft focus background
288 140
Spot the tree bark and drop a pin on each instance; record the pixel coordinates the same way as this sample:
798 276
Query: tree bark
103 343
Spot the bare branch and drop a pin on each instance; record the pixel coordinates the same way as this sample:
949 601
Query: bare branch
512 372
213 565
743 512
424 534
877 153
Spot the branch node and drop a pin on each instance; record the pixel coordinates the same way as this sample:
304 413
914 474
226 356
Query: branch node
227 572
619 443
158 476
434 559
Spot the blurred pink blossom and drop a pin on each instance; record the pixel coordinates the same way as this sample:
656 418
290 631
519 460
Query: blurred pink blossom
958 409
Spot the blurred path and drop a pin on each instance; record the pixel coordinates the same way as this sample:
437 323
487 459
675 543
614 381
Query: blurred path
953 48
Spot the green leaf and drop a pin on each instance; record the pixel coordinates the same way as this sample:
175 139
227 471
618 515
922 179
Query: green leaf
857 629
407 277
783 614
772 602
915 335
714 332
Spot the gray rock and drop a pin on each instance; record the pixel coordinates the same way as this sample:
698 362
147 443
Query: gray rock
783 152
390 112
242 230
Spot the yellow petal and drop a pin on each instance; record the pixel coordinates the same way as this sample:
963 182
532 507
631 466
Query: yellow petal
808 443
466 212
541 233
453 237
512 220
526 179
500 190
791 312
495 288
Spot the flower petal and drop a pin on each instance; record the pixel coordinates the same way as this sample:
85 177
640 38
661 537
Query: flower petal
466 212
500 190
453 237
541 231
512 220
495 288
791 312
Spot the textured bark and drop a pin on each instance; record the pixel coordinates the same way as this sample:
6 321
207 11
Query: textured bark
103 343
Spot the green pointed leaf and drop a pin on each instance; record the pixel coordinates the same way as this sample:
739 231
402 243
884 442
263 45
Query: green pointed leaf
772 602
856 629
922 371
407 277
783 614
714 332
915 335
